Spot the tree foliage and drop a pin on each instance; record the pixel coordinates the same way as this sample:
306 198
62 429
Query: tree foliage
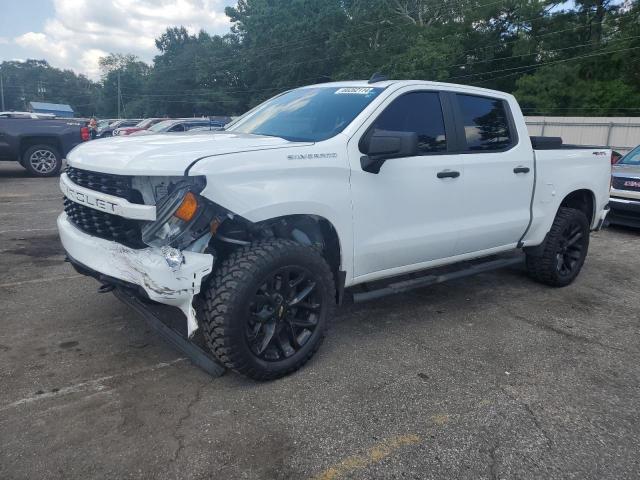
36 80
582 60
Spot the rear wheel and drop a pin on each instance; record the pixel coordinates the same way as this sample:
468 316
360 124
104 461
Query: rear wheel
42 161
267 308
564 250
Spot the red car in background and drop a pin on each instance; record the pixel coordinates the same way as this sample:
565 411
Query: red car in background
143 125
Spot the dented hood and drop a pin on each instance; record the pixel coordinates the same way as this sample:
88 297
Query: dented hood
164 154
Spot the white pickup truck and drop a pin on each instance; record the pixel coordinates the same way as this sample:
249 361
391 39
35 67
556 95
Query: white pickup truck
318 190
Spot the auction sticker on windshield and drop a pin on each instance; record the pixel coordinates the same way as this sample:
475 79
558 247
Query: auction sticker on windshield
354 90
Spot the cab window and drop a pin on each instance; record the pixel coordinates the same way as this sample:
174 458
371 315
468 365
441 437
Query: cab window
485 123
419 112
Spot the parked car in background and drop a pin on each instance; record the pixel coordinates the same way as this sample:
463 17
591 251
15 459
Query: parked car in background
624 198
176 125
108 130
105 122
39 144
143 125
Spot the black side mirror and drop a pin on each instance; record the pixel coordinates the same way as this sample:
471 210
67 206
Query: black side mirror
382 145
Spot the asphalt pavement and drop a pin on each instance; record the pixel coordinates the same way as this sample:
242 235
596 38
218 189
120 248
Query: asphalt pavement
489 377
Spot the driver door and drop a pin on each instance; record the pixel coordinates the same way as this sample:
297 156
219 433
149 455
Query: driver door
406 216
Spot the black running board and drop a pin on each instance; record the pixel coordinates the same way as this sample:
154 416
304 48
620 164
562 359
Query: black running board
159 318
435 275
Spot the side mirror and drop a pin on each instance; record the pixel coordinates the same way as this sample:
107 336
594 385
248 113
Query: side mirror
382 145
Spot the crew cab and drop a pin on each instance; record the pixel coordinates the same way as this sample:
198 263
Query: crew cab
319 191
40 144
625 190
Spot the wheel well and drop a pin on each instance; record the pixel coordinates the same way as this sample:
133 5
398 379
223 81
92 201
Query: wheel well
311 230
582 200
29 142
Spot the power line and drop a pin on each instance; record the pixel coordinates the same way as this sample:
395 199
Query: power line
553 62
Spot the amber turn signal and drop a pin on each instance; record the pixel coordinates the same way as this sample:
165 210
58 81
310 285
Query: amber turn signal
187 209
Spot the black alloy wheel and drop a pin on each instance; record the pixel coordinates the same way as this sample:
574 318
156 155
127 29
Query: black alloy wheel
558 261
284 313
570 248
267 306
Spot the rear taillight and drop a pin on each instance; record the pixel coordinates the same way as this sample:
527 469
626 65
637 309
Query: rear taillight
84 133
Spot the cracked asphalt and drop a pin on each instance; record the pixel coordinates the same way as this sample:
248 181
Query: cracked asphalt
489 377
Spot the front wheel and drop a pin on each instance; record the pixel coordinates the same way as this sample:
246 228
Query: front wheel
267 307
42 161
564 250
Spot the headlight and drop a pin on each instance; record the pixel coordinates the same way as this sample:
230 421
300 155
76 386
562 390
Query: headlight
182 217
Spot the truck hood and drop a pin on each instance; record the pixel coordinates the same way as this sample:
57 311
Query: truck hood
165 154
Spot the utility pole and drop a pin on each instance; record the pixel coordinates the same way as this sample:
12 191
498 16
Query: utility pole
1 93
119 100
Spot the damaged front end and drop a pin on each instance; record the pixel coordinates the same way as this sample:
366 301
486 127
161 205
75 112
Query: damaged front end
173 256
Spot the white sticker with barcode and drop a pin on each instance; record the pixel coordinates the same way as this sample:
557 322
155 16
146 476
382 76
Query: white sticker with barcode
354 90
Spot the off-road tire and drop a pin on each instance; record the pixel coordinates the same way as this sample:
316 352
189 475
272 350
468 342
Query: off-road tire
227 298
543 267
50 152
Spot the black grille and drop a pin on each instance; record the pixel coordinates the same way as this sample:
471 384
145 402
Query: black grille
104 225
631 183
117 185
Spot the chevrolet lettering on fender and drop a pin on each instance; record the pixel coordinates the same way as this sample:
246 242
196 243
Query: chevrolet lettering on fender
257 232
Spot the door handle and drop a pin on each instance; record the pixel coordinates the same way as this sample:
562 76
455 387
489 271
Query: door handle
521 170
448 174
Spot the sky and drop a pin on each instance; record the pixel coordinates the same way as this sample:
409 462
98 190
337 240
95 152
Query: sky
74 34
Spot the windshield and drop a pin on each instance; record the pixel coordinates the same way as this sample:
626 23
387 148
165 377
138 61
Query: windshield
161 126
307 114
631 158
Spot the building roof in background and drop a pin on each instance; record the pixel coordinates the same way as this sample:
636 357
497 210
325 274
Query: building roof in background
58 107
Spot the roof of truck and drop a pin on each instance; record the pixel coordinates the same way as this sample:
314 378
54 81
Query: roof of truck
400 83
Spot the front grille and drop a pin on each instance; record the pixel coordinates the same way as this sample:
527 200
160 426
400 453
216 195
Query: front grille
104 225
631 183
116 185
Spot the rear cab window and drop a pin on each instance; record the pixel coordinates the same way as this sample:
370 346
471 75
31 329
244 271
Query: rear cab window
485 123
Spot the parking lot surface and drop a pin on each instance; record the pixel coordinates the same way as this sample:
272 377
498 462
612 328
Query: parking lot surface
493 376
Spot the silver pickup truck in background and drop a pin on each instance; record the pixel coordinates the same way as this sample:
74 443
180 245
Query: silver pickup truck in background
625 190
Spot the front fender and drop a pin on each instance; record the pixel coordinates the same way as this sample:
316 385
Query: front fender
307 180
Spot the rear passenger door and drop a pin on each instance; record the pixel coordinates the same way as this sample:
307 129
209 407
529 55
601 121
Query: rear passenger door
499 174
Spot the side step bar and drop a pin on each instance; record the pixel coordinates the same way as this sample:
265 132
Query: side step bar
437 275
198 354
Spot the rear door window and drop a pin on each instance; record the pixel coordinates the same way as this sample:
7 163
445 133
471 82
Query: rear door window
485 123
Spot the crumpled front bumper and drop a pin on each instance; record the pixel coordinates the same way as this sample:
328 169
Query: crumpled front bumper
146 268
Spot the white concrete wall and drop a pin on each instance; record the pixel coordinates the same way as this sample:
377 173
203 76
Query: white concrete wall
619 133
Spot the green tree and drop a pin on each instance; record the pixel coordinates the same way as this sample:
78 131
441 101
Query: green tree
36 80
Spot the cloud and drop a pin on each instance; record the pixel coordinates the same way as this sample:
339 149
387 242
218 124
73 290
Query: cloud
82 31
